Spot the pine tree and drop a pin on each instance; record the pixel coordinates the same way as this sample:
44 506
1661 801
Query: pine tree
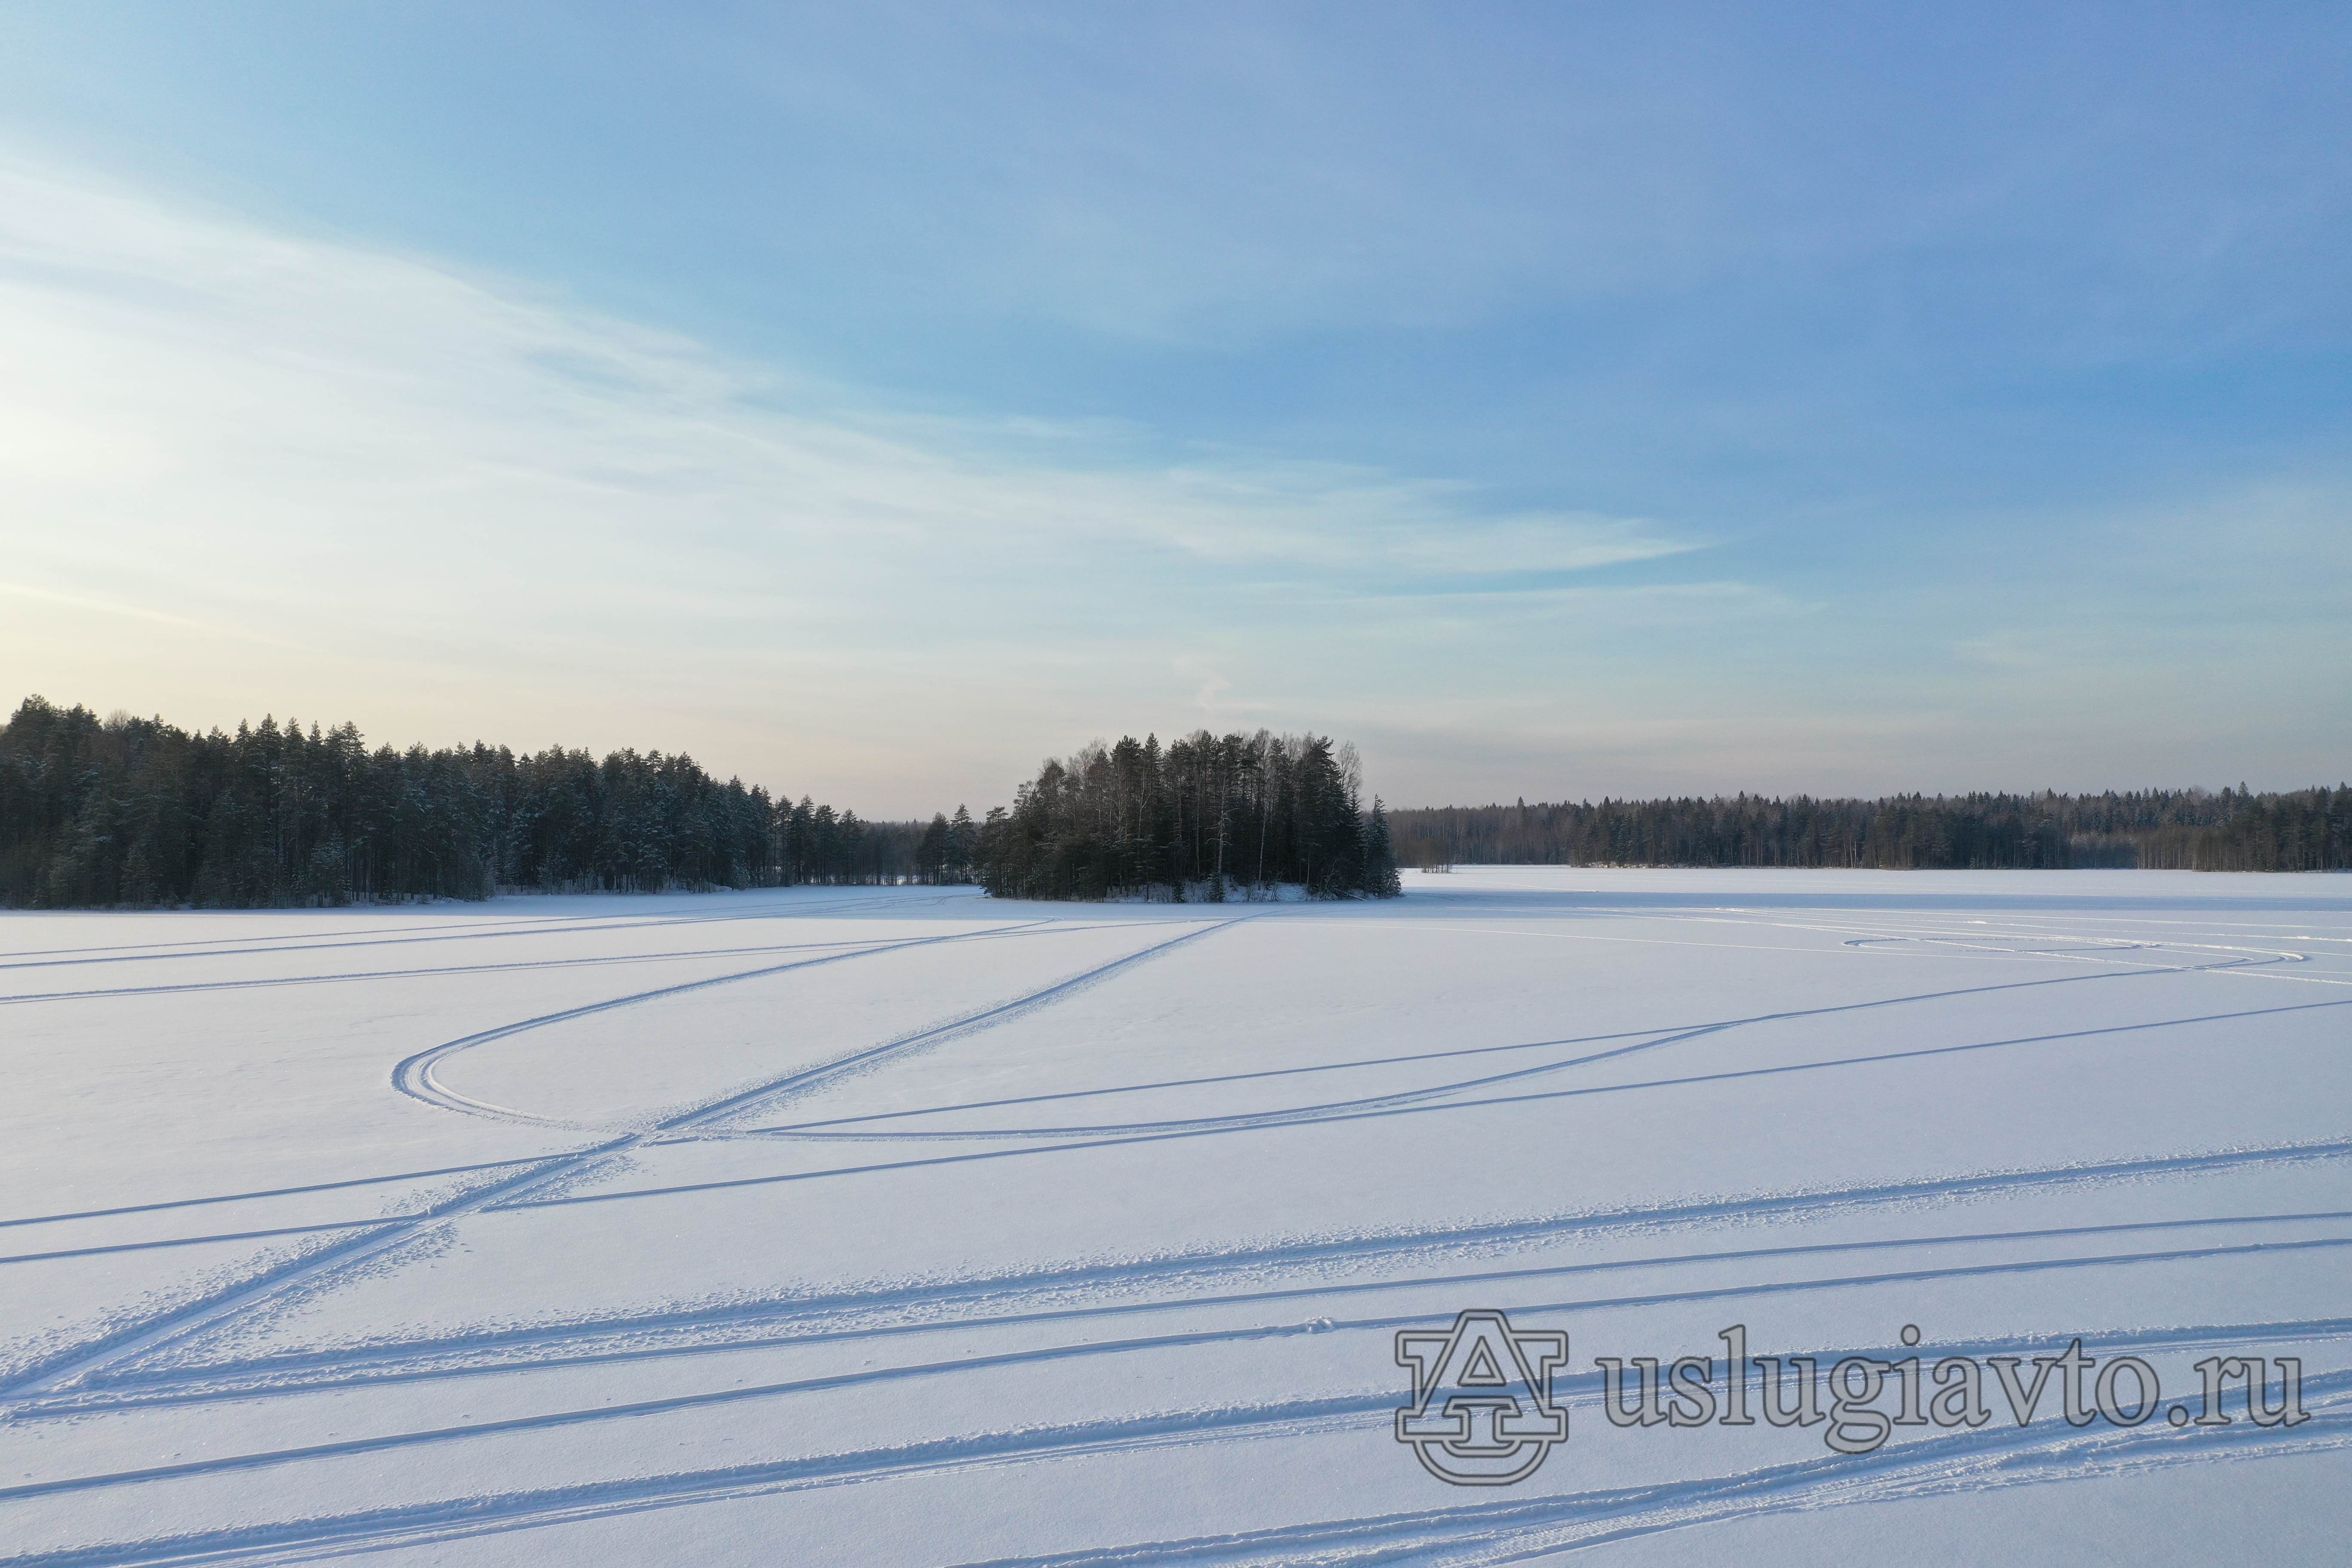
963 839
1380 879
932 853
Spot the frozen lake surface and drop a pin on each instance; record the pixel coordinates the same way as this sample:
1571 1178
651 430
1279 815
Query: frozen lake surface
906 1225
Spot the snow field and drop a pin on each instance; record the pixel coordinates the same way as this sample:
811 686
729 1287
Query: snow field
906 1225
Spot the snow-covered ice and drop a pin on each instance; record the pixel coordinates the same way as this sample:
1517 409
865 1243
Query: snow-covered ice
906 1225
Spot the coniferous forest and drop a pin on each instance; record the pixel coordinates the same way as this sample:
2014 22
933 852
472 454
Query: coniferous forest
139 812
2189 830
136 812
1209 817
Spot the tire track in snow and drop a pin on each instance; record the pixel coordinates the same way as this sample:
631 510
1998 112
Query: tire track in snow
415 1076
1774 1204
227 946
1678 1032
413 1363
1750 1210
487 925
2260 965
1672 1034
1578 1387
262 1193
193 1317
463 932
1386 1403
859 1061
2330 1426
1158 1131
1547 1526
1372 1102
1746 1209
186 1322
436 972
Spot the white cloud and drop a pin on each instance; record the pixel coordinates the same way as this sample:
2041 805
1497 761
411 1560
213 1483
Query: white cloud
474 510
243 472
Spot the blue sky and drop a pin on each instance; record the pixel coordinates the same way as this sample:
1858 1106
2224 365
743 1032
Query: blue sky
870 400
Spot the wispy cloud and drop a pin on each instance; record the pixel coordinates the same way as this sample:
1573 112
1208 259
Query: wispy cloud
245 470
474 507
85 603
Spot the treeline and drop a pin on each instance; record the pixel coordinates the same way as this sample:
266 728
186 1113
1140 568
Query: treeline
137 812
1209 817
2194 831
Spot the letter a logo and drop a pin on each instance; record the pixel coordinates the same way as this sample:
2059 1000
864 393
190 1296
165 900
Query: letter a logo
1482 1413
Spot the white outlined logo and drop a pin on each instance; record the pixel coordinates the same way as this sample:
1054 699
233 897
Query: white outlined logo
1481 1412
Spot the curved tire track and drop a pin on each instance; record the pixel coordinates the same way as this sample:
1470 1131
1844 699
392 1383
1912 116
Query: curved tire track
184 1323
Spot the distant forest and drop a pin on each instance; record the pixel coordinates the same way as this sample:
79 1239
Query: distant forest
1209 817
135 812
138 812
2191 830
